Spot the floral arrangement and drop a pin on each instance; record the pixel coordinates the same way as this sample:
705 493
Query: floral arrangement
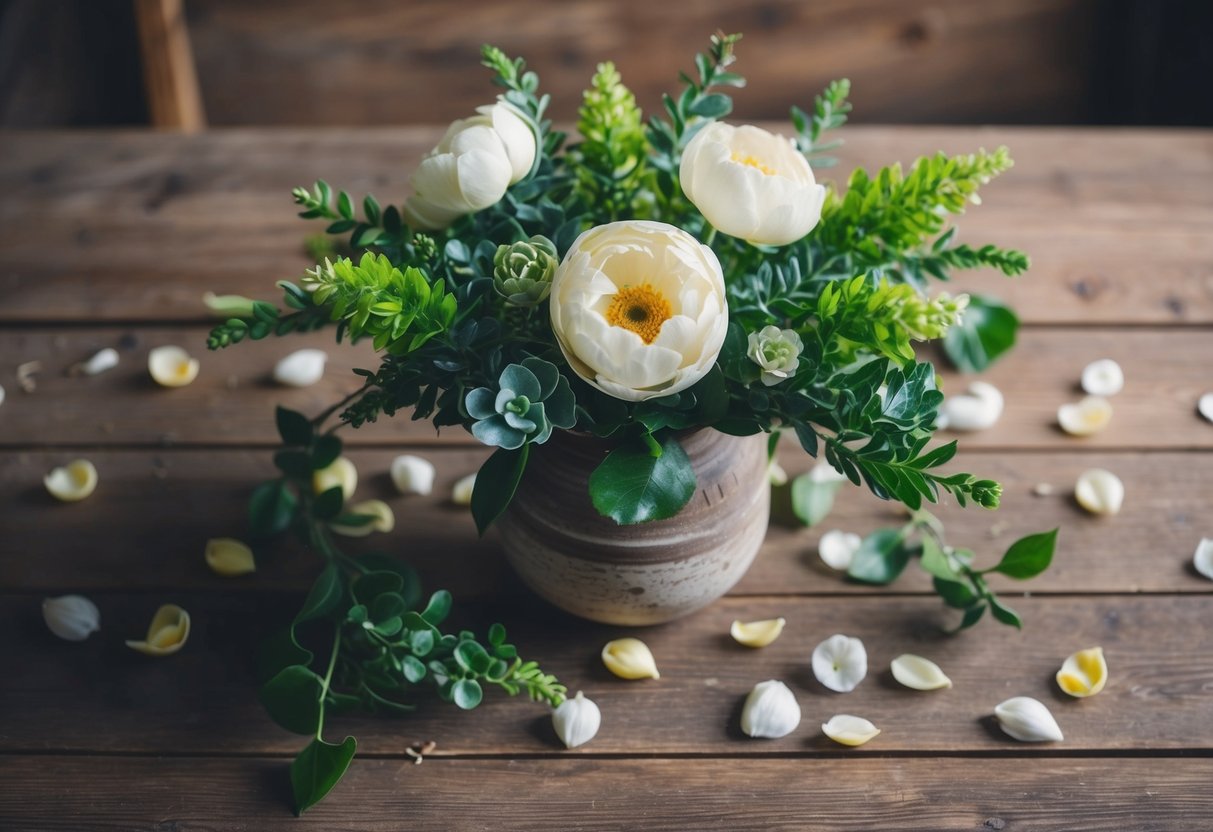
645 279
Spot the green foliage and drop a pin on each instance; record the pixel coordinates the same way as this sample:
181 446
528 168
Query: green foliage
317 769
884 554
985 332
636 485
528 401
813 498
610 160
829 113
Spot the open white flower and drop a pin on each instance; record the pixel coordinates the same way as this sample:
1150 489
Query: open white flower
471 168
751 184
638 309
776 351
840 663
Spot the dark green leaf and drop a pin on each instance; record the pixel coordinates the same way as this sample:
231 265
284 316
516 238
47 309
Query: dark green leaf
633 486
1028 556
412 668
411 588
496 483
438 608
325 451
324 597
317 769
467 694
271 508
1004 613
297 464
421 642
986 331
386 606
972 616
935 562
293 427
279 651
955 593
880 558
472 657
328 504
292 699
370 586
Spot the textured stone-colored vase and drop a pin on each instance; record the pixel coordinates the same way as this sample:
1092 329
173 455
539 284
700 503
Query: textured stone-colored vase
649 572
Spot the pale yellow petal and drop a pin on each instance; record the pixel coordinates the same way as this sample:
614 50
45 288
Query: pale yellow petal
172 366
757 633
168 632
919 673
72 482
1087 417
630 658
1084 674
846 729
229 557
384 520
341 472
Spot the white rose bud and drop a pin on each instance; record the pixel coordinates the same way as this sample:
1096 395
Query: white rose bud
71 617
471 168
776 351
576 720
412 474
770 711
638 309
1027 720
751 184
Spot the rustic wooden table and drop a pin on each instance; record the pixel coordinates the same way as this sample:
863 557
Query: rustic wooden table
110 238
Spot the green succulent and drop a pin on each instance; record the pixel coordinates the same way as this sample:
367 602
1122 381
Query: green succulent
531 399
522 271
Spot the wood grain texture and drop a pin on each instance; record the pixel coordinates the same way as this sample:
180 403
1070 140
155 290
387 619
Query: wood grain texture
99 696
233 400
148 522
68 794
925 61
174 100
129 226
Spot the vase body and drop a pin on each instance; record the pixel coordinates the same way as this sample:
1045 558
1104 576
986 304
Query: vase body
645 573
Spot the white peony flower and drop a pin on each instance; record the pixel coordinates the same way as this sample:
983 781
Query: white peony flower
840 663
470 169
638 309
776 351
751 184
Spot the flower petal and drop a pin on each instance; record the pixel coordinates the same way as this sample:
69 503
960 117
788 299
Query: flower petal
845 729
840 663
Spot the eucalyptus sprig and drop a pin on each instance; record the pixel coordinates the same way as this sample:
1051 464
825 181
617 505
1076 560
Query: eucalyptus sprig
363 639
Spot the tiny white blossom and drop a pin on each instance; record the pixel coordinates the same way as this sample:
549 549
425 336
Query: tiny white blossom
840 663
776 351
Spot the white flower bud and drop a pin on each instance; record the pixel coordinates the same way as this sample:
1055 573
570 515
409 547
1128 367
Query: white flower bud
919 673
976 409
1027 720
837 548
172 366
576 720
630 658
1203 558
770 711
845 729
1103 378
412 474
102 360
1087 417
840 663
71 617
302 368
1100 491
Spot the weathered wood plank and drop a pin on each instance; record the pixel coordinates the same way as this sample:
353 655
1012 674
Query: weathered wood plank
146 525
233 399
98 696
126 225
882 795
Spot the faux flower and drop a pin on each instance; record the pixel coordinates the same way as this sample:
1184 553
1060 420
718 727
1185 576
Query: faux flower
776 351
751 184
522 271
638 309
531 399
470 169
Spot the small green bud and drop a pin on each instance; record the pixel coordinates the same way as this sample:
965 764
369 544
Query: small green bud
522 272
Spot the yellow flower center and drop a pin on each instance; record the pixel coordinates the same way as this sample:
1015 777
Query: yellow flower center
753 162
641 309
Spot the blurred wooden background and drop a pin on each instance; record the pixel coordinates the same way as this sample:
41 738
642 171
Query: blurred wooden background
322 62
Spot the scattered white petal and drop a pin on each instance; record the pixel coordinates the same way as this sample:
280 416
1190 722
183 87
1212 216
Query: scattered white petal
777 475
630 658
102 360
412 474
1084 674
168 632
919 673
461 493
1203 559
1043 489
1027 720
1100 492
770 711
1205 406
837 549
72 482
825 472
1087 417
1 395
757 633
229 557
71 617
845 729
840 663
978 408
172 366
302 368
576 720
1103 378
